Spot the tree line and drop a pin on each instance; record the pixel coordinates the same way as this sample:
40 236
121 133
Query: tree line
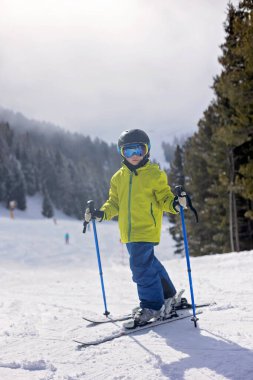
66 169
215 165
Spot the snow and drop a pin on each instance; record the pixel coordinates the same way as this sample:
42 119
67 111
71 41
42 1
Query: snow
47 286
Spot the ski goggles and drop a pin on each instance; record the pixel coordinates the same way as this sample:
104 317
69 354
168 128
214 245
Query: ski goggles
134 149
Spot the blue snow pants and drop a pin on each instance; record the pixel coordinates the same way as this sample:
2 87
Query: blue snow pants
153 282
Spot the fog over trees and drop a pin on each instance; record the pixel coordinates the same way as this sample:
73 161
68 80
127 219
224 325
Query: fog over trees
66 169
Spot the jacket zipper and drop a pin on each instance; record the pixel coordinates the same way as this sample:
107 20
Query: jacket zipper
152 214
129 205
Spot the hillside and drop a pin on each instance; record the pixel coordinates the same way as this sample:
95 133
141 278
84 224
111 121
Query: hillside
67 169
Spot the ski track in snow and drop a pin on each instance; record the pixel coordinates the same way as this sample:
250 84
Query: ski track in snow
47 286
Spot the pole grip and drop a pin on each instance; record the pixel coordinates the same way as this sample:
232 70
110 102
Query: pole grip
90 204
179 189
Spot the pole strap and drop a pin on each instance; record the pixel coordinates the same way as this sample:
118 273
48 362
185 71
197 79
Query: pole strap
189 203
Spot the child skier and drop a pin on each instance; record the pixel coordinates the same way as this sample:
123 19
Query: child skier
138 195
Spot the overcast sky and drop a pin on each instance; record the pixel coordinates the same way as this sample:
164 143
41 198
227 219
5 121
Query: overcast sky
102 66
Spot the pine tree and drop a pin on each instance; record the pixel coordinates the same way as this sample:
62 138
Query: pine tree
234 90
26 157
47 207
169 151
209 235
15 185
218 158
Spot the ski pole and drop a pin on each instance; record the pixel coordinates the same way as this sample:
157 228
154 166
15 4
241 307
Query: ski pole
90 204
179 190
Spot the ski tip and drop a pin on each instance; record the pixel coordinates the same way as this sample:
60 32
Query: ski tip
80 345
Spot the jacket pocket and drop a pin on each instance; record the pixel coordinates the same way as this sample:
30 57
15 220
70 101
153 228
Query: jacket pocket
152 214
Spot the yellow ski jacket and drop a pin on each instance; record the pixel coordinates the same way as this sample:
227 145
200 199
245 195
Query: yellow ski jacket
139 201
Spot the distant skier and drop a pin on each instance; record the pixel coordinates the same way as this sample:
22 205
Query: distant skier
139 194
67 238
12 206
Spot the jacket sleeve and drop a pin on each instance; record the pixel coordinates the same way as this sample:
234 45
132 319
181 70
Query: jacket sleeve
163 194
111 206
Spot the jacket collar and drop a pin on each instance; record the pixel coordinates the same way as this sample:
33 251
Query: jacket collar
134 168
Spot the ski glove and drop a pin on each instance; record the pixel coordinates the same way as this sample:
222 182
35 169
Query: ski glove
95 214
180 201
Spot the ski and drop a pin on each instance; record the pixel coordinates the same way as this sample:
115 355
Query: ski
109 318
186 305
125 332
99 320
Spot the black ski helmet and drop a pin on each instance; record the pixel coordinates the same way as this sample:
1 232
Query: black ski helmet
133 136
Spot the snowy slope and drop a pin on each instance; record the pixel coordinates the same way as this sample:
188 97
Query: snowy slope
46 286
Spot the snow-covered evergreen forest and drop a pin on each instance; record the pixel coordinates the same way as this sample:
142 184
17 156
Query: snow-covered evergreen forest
216 164
66 169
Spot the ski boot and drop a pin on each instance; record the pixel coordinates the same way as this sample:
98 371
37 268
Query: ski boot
172 304
145 315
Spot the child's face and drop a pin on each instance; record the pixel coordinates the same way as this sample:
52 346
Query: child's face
134 160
